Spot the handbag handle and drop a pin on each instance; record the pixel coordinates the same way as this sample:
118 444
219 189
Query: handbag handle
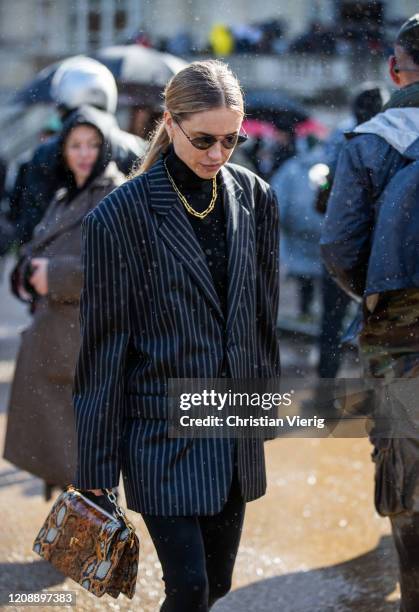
120 512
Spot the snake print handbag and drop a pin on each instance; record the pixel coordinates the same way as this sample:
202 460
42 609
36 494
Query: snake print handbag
97 549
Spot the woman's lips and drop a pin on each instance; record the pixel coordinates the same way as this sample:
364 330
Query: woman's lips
211 166
85 167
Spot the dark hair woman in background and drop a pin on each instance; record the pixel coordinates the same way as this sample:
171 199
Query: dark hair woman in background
181 281
40 434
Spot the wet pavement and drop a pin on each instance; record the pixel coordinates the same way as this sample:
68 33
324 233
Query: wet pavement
313 543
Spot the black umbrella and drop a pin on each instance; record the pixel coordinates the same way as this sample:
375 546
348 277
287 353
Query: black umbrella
139 65
275 107
140 73
38 90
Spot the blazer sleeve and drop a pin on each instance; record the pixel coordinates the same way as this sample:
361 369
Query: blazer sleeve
99 378
267 283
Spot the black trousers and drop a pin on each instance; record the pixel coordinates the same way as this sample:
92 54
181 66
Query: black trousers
306 290
405 528
197 553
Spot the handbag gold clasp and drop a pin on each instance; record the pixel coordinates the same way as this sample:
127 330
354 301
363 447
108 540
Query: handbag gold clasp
74 541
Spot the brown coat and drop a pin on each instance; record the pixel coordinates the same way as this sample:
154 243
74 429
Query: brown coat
40 435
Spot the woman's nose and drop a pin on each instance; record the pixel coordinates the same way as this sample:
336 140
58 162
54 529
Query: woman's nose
89 151
216 151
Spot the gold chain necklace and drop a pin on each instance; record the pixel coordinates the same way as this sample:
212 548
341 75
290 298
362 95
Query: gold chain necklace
192 211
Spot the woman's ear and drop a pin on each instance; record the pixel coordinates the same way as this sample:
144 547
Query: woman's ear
168 124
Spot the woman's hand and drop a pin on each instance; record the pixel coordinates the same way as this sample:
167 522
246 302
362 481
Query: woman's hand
39 278
16 280
97 492
23 294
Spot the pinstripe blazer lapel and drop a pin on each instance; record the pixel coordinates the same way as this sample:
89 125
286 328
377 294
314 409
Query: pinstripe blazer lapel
178 234
238 220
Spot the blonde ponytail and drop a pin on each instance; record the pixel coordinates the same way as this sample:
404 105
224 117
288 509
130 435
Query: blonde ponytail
159 144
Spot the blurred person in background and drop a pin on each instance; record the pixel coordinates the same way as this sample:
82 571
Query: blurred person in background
78 81
369 245
300 222
267 154
317 39
40 430
221 40
16 180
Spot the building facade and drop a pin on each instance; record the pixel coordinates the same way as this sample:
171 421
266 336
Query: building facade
34 33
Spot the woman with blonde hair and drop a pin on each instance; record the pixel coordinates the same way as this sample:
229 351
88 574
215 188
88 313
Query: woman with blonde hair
181 281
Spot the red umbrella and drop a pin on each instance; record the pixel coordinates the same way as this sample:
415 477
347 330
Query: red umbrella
311 127
260 129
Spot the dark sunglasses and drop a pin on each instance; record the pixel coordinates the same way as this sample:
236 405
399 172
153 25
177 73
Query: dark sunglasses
206 142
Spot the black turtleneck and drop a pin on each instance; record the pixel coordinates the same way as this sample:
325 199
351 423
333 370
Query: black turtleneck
210 231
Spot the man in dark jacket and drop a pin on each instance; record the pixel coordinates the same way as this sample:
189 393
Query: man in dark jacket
372 207
79 81
367 101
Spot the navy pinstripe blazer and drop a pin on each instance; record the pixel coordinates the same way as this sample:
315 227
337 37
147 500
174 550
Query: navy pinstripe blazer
149 311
